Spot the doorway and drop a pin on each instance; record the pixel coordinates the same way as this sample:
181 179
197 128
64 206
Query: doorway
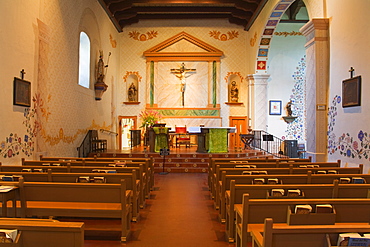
241 124
126 123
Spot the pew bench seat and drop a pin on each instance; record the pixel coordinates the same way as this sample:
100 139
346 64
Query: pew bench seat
44 232
82 200
282 235
255 211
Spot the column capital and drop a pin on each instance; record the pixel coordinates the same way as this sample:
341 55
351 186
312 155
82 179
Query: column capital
316 30
315 24
258 78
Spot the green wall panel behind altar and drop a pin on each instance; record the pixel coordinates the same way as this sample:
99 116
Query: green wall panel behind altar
189 113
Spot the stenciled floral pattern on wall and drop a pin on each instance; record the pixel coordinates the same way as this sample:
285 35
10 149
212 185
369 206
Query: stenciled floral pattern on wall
143 36
224 36
296 128
16 143
347 145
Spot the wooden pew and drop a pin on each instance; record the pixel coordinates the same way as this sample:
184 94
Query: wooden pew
149 165
256 161
229 162
138 189
132 183
280 235
254 211
217 181
44 232
308 178
214 171
44 199
148 170
311 191
146 162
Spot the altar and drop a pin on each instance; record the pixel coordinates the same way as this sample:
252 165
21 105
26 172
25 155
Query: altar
212 139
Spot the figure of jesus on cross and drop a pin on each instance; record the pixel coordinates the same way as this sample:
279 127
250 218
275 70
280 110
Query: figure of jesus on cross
182 75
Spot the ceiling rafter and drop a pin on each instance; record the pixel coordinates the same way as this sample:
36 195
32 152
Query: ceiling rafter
126 12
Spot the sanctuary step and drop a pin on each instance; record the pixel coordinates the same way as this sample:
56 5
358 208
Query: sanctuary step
180 159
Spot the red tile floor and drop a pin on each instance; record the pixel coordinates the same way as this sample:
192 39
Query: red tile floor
179 213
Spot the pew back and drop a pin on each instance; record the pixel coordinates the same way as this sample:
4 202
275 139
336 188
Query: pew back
270 235
45 199
44 232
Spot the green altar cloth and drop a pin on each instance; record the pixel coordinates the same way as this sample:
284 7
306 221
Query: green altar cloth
216 141
161 138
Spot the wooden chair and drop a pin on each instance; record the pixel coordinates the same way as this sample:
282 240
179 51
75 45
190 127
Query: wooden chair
182 136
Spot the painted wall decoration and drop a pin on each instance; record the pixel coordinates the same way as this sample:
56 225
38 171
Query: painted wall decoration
224 37
226 78
261 65
112 41
285 34
253 40
296 129
346 144
143 37
268 33
16 143
136 73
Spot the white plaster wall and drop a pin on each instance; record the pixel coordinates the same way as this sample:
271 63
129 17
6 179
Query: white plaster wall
349 47
17 46
284 55
65 110
316 8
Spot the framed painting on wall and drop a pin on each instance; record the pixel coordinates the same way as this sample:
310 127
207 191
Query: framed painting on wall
21 92
351 92
275 107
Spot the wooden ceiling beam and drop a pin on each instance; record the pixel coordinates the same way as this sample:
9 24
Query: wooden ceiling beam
126 12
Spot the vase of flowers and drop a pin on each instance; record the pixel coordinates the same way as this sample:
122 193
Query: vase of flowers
148 119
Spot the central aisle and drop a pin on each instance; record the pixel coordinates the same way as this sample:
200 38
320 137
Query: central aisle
179 213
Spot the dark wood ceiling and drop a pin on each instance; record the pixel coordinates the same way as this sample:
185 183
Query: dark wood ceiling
126 12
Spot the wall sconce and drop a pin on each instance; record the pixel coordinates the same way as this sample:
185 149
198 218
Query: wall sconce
100 88
289 119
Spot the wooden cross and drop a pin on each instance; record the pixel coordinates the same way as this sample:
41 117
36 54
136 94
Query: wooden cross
182 75
351 71
22 73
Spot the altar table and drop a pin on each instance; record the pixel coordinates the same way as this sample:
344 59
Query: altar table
213 139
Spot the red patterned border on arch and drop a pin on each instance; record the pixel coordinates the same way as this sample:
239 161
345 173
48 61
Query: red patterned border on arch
268 32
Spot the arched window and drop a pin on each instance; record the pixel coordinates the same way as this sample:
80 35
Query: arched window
84 61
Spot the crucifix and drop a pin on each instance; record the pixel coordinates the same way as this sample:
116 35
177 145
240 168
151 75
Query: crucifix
351 71
22 73
182 75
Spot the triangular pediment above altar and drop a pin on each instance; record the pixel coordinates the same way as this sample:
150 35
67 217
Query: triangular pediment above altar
183 46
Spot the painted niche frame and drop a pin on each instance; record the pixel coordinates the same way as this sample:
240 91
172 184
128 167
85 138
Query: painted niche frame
351 92
275 107
21 92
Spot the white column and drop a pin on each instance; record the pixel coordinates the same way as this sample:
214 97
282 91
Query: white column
317 86
258 103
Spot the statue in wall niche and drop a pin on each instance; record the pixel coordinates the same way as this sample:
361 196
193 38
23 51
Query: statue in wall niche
132 93
234 92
